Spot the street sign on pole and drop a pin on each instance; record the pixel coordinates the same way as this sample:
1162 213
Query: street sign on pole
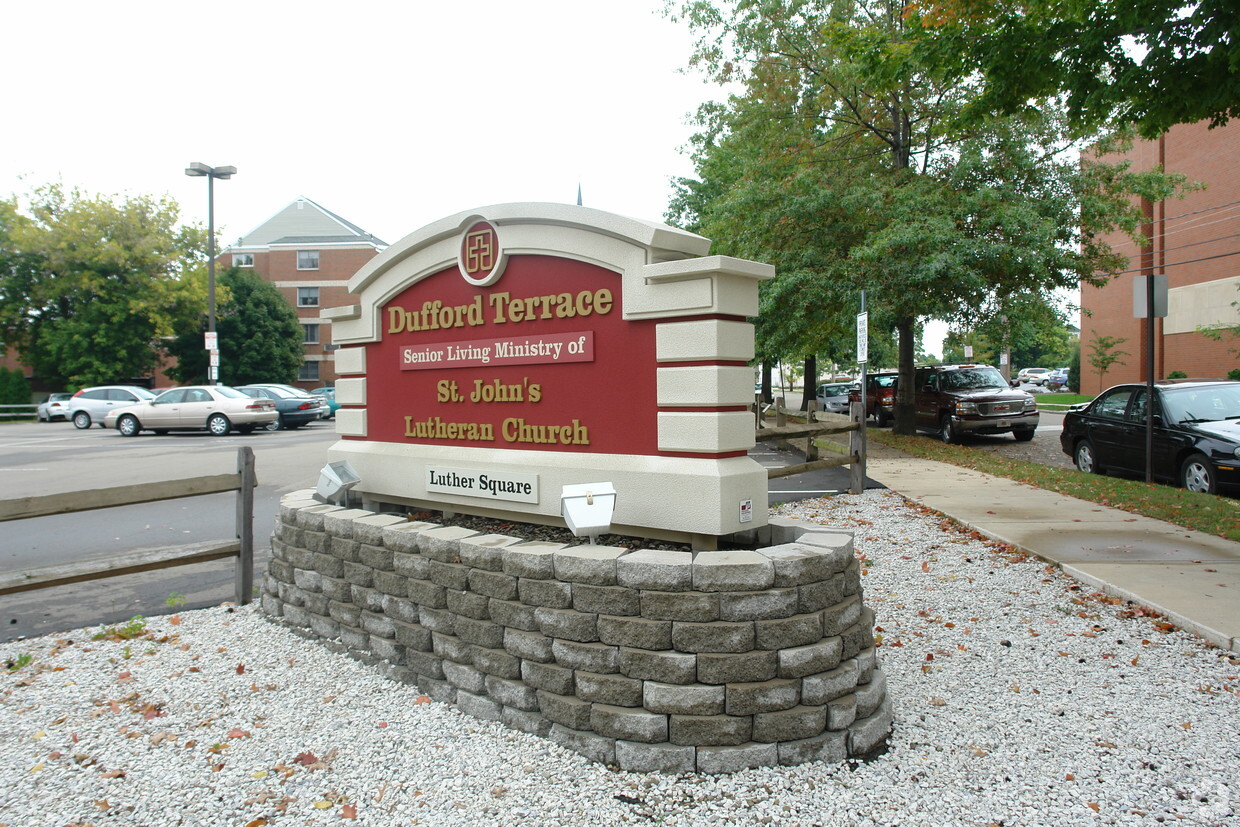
214 359
213 373
212 340
863 337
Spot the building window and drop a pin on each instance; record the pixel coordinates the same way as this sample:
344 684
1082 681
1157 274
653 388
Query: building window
307 259
243 259
309 372
307 297
310 334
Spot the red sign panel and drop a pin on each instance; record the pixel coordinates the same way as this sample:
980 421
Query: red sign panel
539 360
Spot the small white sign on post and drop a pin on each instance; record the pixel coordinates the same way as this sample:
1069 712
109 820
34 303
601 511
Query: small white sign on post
212 340
1140 298
213 374
863 337
968 351
213 359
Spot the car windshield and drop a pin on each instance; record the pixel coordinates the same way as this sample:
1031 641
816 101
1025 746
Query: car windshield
282 393
227 392
885 381
833 390
1203 403
972 378
142 393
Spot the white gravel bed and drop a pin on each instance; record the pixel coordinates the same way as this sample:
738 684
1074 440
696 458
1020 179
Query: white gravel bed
1020 699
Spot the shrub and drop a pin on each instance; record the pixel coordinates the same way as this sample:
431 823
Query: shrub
1177 374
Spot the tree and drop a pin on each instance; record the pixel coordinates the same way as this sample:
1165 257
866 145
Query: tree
835 166
259 335
88 285
1105 355
14 388
1149 63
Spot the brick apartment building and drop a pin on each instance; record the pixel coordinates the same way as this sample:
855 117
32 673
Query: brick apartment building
310 254
1196 243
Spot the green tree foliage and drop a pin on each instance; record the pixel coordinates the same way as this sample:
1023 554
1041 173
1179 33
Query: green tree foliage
14 389
259 335
89 284
1105 354
834 164
1115 62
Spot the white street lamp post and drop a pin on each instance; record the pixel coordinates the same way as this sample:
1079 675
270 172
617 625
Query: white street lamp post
199 170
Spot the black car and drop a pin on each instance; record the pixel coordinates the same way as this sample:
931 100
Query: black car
296 408
1196 433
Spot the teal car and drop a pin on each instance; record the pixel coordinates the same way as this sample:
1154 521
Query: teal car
330 395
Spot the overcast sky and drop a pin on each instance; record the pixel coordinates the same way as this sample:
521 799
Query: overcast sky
390 114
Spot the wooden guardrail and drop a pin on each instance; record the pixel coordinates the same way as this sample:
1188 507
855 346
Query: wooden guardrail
817 424
29 410
242 547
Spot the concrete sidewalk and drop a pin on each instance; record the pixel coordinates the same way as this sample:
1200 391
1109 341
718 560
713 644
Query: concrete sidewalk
1192 578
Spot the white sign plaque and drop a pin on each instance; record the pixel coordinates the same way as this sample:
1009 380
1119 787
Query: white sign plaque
487 485
863 337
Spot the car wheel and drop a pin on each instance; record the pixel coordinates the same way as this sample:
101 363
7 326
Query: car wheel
1085 460
128 426
1024 434
81 419
1197 474
245 429
219 425
882 418
948 432
275 424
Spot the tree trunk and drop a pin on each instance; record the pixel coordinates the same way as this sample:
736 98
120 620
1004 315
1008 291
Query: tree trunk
810 391
904 416
767 397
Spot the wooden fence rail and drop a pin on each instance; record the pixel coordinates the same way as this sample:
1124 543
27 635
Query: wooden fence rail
817 424
19 411
242 547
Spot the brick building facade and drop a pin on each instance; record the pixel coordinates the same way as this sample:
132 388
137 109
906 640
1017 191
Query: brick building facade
1196 243
310 254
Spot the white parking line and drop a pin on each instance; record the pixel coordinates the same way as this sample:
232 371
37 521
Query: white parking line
2 470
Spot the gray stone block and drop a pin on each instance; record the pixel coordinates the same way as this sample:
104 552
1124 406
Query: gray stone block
835 544
480 632
870 695
855 638
719 760
573 713
354 638
612 689
838 617
868 734
344 613
831 747
411 565
336 589
789 724
485 551
728 571
272 605
841 712
376 557
675 699
328 565
594 747
656 570
389 650
780 530
788 632
533 560
550 593
312 516
293 596
764 605
867 662
426 594
852 578
313 542
424 664
709 730
301 558
693 607
548 677
533 646
400 608
413 636
635 632
340 523
437 690
442 543
450 575
368 599
628 724
800 661
798 564
748 667
468 604
595 565
359 575
280 570
378 625
532 722
762 696
827 686
512 693
370 529
567 624
464 677
493 584
451 647
592 657
316 603
308 581
665 667
634 757
610 600
713 637
344 548
324 627
497 662
817 596
478 706
403 537
513 614
391 583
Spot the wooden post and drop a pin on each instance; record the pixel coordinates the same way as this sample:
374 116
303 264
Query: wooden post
856 447
811 447
245 526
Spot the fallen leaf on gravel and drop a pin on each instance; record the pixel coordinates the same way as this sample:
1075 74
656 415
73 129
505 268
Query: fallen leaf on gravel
348 811
240 668
422 699
238 733
1093 806
175 620
322 804
113 774
306 759
258 822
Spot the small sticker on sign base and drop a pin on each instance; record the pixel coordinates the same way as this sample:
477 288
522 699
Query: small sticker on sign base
746 511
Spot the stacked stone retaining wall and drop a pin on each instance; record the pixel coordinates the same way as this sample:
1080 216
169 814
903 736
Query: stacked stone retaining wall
677 661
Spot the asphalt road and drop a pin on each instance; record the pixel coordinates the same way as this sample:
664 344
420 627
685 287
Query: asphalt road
49 458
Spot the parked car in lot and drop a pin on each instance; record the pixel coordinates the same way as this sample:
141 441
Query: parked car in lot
90 406
56 406
319 399
1057 378
294 408
1034 376
1196 433
955 400
330 395
215 408
880 395
833 398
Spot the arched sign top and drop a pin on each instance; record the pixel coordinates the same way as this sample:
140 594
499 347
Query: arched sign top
480 256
